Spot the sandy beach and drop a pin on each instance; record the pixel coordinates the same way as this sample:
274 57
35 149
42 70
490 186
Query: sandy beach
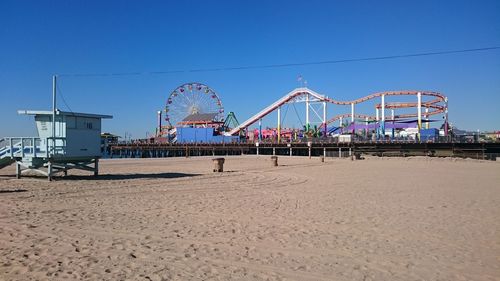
174 219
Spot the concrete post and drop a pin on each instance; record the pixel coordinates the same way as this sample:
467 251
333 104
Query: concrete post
49 171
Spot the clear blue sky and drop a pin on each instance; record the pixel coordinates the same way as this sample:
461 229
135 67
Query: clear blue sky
40 38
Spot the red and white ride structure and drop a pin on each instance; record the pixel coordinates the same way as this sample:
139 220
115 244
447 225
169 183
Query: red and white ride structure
427 103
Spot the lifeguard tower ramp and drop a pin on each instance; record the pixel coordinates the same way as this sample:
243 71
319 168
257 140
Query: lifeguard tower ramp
74 143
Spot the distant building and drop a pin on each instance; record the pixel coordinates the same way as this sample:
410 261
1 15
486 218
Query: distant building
492 136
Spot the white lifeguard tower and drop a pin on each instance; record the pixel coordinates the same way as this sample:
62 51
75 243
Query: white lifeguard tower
66 140
76 144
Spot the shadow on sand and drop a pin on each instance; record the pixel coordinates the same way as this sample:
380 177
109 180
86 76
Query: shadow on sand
127 176
13 191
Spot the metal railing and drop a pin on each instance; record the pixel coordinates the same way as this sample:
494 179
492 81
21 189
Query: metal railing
32 147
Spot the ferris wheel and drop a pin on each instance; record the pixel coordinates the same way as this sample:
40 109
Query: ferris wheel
191 99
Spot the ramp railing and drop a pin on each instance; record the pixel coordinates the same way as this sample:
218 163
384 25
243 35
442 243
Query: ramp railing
32 147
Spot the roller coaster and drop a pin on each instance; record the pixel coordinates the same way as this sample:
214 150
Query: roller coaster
428 103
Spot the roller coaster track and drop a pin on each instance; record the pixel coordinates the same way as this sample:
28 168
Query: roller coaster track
434 105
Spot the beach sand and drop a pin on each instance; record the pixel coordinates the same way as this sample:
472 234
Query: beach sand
174 219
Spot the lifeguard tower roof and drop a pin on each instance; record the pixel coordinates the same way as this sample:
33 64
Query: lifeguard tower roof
58 112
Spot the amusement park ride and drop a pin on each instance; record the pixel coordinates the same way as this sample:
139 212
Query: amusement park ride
191 105
196 105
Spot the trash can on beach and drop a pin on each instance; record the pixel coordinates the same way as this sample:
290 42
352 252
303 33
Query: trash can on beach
218 165
274 161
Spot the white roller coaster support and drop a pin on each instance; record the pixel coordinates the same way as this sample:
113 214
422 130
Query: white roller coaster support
352 118
446 117
392 118
419 113
382 98
427 125
274 106
279 124
324 117
260 129
352 112
290 97
307 111
366 129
